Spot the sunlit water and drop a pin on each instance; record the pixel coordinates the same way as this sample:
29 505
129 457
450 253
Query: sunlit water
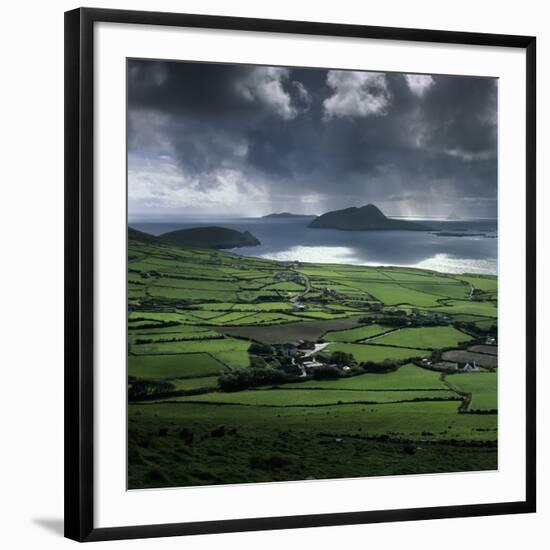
289 240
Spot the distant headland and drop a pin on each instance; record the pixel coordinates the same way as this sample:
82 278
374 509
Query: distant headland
199 237
283 215
365 218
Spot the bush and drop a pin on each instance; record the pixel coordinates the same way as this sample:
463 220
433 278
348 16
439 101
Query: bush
387 365
257 362
257 348
242 379
186 435
341 358
269 462
326 372
288 368
409 449
218 432
141 388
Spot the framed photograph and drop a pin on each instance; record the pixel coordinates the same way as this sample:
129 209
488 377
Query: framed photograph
300 274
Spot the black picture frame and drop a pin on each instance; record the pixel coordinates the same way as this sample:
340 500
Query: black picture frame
79 264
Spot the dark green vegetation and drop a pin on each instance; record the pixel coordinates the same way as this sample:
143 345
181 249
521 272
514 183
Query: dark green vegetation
366 218
248 370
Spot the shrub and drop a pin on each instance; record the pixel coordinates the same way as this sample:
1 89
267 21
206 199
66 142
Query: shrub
257 362
242 379
186 435
326 372
269 462
258 348
218 432
341 358
387 365
141 388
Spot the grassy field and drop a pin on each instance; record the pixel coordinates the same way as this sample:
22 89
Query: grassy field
482 386
194 314
423 338
200 444
355 334
367 352
298 397
173 366
407 377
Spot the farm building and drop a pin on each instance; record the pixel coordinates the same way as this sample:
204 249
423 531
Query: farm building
311 364
469 366
289 350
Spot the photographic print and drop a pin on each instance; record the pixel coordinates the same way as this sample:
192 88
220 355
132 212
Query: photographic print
312 273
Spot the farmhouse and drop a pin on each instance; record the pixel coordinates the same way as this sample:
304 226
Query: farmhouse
289 350
469 366
311 364
490 341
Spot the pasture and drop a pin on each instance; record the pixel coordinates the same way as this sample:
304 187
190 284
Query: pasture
299 397
423 338
482 386
370 352
173 366
407 377
356 334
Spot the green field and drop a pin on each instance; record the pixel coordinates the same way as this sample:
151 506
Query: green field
407 377
194 314
278 444
355 334
312 397
187 384
423 338
173 366
483 387
368 352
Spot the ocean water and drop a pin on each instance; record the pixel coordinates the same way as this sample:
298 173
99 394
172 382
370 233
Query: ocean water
291 239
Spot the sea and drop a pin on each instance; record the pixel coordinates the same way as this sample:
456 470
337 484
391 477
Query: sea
451 246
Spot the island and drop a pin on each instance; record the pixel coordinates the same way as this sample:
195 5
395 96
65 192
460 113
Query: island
365 218
211 237
284 215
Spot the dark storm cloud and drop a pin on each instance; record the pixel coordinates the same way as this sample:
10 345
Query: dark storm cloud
250 140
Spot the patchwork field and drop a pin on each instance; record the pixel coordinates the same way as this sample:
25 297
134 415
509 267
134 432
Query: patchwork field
216 344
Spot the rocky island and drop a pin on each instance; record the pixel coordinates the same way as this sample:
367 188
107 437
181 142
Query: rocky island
365 218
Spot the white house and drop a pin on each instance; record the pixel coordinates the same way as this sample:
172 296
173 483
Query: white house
311 364
469 366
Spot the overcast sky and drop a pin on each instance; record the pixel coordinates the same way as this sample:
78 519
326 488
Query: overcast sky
237 140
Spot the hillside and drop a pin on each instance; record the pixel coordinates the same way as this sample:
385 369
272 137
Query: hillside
136 235
366 218
210 237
